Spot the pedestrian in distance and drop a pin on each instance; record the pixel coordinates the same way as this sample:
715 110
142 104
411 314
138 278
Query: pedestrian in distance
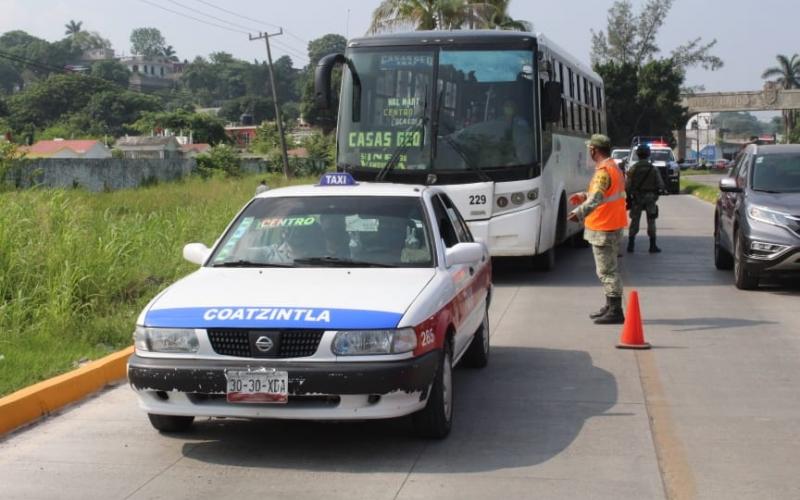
602 210
643 185
262 188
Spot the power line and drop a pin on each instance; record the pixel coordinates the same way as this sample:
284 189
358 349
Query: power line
204 2
227 28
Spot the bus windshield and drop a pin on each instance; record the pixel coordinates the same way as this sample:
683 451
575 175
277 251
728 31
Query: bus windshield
478 115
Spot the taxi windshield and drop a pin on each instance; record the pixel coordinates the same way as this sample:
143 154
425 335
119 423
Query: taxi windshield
328 231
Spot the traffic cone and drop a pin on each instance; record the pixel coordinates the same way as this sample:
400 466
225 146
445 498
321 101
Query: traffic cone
632 331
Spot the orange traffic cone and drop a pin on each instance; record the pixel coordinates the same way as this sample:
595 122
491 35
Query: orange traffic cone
632 332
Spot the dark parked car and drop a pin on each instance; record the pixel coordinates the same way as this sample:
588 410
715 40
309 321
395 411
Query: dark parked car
757 219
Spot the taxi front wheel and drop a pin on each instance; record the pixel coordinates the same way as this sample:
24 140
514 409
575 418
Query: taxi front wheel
477 355
170 423
436 419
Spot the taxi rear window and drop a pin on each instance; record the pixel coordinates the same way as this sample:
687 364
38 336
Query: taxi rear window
328 231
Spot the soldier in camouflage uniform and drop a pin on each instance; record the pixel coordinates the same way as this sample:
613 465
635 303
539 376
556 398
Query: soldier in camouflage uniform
643 185
602 209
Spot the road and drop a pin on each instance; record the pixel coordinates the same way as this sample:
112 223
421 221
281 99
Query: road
713 411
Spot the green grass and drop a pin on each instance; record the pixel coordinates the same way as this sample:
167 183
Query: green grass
705 171
76 268
702 191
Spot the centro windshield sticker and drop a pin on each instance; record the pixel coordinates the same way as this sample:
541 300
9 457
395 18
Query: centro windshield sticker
288 222
235 237
269 317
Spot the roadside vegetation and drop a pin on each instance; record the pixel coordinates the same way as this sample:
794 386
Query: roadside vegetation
77 267
706 193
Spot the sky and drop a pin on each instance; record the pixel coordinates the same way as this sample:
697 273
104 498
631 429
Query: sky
749 32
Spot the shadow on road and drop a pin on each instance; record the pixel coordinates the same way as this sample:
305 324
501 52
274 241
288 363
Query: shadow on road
525 408
700 324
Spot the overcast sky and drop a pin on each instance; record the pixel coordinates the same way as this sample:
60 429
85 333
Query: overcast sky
749 32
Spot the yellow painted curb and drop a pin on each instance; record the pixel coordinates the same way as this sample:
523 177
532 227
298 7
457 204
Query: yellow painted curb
31 403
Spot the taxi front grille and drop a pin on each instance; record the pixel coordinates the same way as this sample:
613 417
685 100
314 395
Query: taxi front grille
245 343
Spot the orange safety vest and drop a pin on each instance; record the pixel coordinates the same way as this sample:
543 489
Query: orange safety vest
611 214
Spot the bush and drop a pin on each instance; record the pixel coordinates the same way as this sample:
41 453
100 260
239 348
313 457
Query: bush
221 160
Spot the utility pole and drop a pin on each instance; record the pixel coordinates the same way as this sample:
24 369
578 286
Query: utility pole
278 120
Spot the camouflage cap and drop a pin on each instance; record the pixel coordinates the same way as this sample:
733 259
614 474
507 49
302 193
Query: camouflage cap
599 141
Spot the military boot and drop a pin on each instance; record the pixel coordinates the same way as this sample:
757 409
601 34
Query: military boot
631 242
602 310
653 247
614 314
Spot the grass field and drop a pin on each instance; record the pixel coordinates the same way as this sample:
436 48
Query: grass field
76 268
702 191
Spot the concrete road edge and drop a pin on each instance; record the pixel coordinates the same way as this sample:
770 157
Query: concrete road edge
31 403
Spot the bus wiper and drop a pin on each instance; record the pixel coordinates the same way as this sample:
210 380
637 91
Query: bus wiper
336 261
407 140
453 144
248 263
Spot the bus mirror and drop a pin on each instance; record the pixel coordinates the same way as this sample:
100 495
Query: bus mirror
322 79
322 83
551 102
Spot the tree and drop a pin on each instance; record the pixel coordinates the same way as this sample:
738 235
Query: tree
493 14
112 71
222 159
169 53
73 28
644 101
630 38
147 42
787 76
417 14
204 127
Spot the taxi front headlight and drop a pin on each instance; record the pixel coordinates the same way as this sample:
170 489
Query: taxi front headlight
369 342
170 340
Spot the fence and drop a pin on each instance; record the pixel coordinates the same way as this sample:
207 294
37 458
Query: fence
110 174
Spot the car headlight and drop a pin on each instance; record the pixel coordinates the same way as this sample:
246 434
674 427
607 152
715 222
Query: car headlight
763 214
367 342
172 340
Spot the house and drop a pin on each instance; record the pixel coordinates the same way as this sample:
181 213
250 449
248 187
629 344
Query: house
241 135
149 73
61 148
192 150
149 147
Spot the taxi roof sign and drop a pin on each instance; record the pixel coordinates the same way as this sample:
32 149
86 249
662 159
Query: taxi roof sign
337 179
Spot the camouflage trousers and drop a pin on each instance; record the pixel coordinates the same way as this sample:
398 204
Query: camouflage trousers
647 205
605 247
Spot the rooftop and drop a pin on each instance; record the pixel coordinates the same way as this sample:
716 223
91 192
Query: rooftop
50 147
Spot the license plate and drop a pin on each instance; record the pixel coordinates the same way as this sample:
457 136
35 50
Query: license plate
259 386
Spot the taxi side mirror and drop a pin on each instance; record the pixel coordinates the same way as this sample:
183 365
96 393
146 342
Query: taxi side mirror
464 253
196 253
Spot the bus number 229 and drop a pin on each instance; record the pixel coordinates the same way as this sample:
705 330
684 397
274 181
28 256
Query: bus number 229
477 199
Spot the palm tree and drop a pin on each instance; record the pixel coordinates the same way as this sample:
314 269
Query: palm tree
73 27
417 14
787 75
493 14
169 53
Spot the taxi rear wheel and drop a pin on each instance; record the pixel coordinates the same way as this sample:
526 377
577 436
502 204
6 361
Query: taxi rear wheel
436 419
170 423
477 356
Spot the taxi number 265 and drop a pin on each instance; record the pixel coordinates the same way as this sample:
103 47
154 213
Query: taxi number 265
477 199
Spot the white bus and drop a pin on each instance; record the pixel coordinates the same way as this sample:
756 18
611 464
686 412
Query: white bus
499 119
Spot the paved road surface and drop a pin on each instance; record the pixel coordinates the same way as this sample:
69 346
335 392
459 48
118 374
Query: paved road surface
712 412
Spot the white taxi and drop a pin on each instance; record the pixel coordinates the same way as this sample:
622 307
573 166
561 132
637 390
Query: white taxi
334 301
